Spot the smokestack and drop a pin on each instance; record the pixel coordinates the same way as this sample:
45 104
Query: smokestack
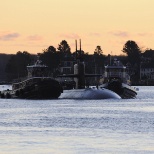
80 44
109 59
76 44
76 49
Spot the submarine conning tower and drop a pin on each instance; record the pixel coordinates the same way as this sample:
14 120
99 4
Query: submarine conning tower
79 69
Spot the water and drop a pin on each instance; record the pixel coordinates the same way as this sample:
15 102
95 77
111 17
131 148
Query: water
78 126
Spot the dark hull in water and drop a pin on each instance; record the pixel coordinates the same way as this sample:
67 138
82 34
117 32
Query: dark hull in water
123 90
35 88
128 93
89 93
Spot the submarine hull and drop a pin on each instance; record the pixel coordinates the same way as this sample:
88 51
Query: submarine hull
89 93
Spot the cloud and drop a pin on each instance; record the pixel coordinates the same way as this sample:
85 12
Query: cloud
34 38
144 34
119 33
70 36
95 34
8 36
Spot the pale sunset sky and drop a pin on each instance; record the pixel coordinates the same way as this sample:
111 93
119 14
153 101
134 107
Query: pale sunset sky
34 25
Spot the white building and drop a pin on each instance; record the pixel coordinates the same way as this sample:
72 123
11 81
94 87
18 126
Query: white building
147 72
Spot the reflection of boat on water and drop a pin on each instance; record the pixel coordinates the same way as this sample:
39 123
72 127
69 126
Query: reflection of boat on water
38 85
80 92
116 79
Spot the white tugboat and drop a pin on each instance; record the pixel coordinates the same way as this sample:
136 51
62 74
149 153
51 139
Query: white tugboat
38 85
116 78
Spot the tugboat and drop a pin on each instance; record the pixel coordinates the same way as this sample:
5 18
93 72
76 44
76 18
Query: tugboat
116 78
38 85
80 90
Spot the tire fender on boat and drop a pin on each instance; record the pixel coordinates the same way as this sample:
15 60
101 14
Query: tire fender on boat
21 92
2 95
7 95
17 93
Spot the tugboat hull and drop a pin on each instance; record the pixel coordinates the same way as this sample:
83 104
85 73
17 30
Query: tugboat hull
123 90
46 88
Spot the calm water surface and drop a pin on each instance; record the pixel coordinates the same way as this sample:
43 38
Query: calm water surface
78 126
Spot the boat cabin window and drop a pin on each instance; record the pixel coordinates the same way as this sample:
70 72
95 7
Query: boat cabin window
115 70
37 71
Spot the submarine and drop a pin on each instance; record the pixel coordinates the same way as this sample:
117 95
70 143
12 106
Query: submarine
80 90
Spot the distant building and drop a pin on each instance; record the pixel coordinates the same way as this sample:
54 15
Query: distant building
146 72
67 65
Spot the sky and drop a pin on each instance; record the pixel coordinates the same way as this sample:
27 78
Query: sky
34 25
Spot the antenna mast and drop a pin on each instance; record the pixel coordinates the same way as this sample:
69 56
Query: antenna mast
80 45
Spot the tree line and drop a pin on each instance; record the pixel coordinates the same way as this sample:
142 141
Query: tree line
53 57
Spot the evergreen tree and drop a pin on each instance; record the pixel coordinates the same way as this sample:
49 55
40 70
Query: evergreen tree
98 50
51 58
64 47
16 66
134 55
133 52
